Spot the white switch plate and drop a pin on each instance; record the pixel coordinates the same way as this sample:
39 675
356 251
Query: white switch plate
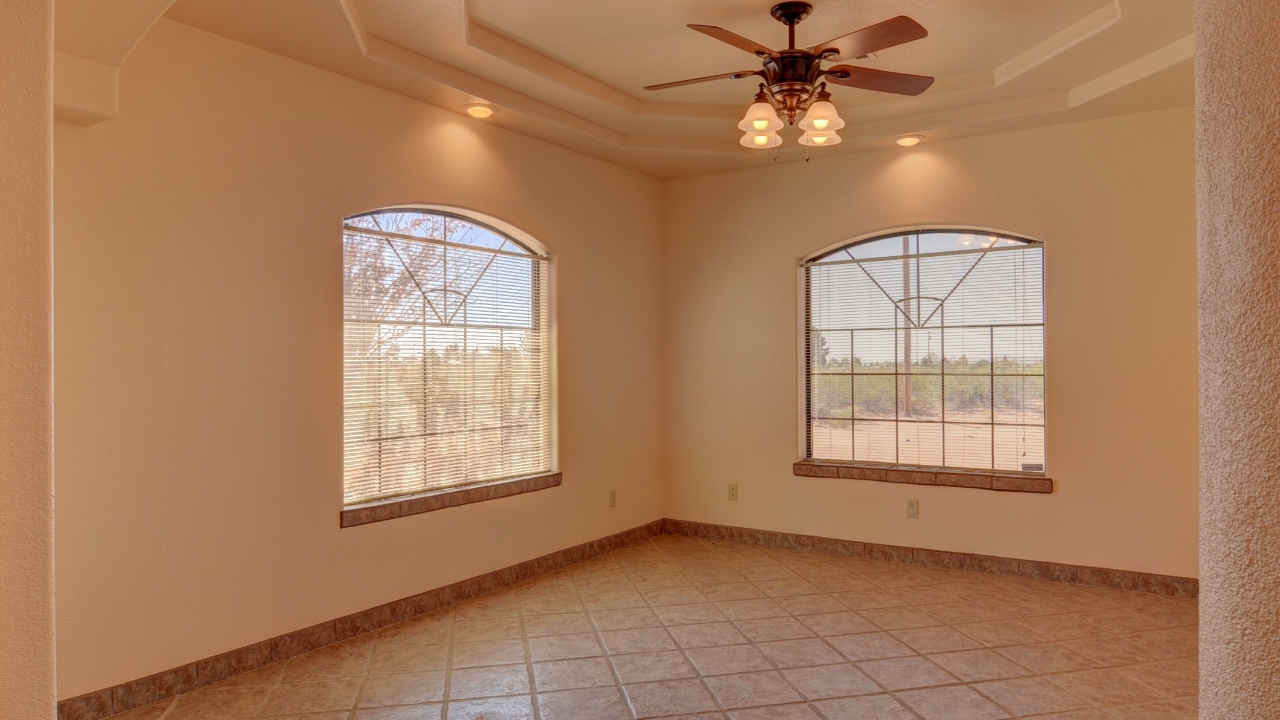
733 491
913 508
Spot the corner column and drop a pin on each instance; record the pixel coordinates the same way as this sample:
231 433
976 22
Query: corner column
1238 154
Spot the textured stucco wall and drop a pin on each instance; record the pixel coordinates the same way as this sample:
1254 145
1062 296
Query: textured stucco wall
1238 128
26 361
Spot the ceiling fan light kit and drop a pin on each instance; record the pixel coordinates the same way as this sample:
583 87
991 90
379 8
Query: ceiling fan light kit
795 83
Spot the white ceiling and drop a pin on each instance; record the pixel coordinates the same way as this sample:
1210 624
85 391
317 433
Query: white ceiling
572 73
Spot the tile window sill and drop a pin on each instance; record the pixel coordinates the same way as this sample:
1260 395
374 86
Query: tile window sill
923 476
392 508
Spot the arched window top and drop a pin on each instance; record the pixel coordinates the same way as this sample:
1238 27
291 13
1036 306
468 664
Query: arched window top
438 226
920 243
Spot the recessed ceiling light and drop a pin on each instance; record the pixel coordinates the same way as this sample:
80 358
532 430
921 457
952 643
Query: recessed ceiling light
909 140
479 110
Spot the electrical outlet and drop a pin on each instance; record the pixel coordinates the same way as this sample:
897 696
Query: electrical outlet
733 491
613 498
913 508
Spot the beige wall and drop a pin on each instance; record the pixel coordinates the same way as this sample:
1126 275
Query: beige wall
1114 202
199 372
26 362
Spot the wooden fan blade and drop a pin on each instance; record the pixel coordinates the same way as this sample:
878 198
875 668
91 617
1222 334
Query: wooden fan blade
878 80
725 76
735 40
880 36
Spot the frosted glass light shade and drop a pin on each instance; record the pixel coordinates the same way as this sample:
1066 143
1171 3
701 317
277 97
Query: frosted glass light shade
760 140
822 117
761 118
818 138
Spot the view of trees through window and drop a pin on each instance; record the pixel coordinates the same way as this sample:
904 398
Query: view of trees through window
927 349
446 355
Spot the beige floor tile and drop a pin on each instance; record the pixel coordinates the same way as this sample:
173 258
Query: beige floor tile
810 604
405 657
874 707
750 609
1047 658
800 653
951 703
936 639
1030 696
210 702
1154 711
488 682
1168 678
870 646
652 667
999 633
727 659
709 630
314 696
905 673
689 614
830 681
558 624
1106 686
402 712
403 689
1112 650
516 708
620 642
475 629
787 588
565 647
572 674
731 591
962 611
779 628
899 618
837 623
776 712
673 596
625 618
978 665
670 697
487 652
602 703
752 689
764 573
841 583
707 635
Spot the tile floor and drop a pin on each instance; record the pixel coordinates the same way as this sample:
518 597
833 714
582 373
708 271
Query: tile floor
677 627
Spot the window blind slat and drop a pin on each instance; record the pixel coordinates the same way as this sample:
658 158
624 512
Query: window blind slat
446 356
927 349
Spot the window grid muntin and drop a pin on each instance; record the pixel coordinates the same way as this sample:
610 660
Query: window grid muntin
842 256
535 459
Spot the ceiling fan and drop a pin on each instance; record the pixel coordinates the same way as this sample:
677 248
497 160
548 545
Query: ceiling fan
795 81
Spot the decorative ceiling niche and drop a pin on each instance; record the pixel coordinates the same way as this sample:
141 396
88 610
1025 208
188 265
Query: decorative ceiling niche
573 73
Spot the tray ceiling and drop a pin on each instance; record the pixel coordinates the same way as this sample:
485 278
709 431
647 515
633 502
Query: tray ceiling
571 73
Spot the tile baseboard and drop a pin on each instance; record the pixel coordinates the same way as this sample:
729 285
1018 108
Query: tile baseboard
1057 572
144 691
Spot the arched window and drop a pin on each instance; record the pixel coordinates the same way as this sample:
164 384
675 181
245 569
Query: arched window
446 355
927 349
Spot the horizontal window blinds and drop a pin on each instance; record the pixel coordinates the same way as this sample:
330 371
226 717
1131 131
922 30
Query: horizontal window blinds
446 356
927 349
